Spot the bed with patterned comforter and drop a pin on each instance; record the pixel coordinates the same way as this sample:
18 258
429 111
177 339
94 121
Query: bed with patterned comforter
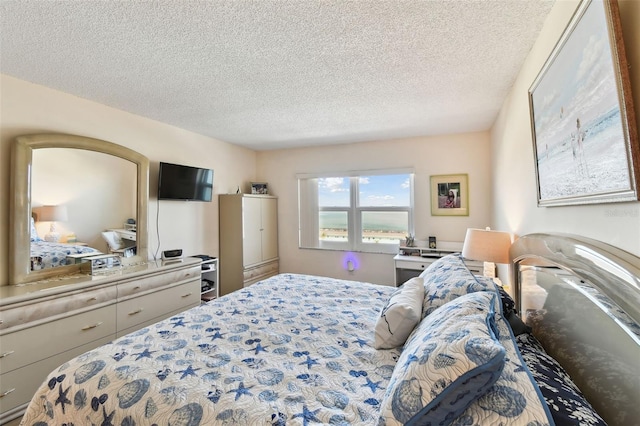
299 350
45 254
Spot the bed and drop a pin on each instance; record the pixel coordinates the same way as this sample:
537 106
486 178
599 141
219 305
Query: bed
444 348
46 254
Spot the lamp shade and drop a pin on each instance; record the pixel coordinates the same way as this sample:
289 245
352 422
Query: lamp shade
51 213
487 245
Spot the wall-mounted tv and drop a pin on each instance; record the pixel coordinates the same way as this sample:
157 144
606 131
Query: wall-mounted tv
177 182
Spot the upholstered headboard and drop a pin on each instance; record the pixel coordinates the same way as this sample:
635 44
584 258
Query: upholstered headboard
582 298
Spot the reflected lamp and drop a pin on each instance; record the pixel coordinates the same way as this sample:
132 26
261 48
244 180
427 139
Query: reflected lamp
52 214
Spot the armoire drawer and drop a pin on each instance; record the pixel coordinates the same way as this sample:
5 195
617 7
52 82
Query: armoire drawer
139 310
256 273
42 341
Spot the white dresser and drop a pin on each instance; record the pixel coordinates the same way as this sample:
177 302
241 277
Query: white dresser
46 323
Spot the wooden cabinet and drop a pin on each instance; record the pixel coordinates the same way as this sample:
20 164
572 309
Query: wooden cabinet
43 325
248 240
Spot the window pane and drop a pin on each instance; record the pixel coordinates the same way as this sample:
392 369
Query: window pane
334 226
384 227
385 190
333 192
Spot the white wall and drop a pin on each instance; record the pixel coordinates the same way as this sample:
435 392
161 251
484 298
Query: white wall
28 108
514 182
450 154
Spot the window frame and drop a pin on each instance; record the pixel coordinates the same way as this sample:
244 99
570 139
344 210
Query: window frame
309 211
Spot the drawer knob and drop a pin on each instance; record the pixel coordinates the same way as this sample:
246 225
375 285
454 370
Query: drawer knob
187 295
137 311
3 394
6 354
93 299
89 327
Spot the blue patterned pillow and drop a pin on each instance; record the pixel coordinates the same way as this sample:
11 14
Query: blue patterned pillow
448 278
514 398
567 404
450 359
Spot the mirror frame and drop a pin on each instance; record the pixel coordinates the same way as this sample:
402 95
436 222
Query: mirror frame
20 199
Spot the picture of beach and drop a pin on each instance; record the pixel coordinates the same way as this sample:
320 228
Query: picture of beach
580 142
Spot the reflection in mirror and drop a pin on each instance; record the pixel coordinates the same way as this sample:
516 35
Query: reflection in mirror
76 188
98 192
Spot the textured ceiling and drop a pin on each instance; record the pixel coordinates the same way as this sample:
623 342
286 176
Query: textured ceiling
278 73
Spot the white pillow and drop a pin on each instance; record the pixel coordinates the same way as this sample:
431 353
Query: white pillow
113 240
400 315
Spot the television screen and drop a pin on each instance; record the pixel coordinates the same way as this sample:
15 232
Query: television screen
177 182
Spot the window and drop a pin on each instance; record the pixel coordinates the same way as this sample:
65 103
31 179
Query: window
368 211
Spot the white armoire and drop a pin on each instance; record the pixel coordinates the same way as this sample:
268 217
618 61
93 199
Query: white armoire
248 240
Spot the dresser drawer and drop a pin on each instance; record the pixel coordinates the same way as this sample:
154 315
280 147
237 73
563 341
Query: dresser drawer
50 307
18 386
139 310
260 272
151 284
42 341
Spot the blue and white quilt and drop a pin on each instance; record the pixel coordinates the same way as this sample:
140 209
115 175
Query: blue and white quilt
45 254
291 350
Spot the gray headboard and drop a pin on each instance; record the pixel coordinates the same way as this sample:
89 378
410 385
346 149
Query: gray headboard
582 298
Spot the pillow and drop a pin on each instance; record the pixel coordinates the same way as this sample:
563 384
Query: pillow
400 315
448 278
515 398
34 232
113 240
449 360
567 404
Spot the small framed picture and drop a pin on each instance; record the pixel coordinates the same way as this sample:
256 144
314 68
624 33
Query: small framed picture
259 188
449 195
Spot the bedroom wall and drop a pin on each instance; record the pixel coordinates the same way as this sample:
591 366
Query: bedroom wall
514 183
29 108
450 154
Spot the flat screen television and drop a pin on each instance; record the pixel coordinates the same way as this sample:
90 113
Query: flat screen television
177 182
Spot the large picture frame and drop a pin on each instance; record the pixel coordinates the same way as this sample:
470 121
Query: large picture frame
450 195
585 140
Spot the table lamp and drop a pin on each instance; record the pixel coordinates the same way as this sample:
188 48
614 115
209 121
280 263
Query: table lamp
487 246
52 214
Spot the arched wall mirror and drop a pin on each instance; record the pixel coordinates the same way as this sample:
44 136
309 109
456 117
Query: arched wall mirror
66 188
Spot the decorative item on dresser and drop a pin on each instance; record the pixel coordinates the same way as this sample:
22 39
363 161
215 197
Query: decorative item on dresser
412 260
44 324
248 240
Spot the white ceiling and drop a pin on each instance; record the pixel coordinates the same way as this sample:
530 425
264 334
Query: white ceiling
269 74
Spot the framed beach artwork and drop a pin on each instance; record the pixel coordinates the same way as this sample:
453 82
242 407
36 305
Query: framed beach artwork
450 195
583 124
